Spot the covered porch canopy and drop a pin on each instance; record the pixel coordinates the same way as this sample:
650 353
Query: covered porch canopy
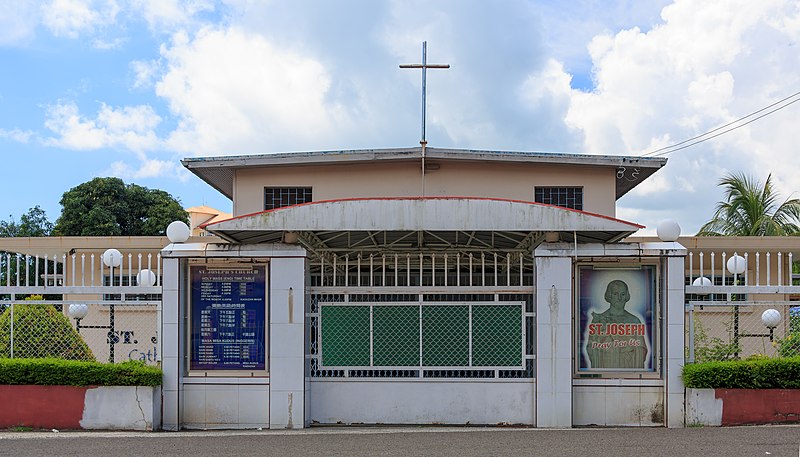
412 224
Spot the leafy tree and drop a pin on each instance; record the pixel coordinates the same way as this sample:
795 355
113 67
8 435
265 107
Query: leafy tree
107 206
32 223
751 209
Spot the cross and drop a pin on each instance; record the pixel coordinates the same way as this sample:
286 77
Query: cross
424 66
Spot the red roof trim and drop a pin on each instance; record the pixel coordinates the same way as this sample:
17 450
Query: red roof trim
203 226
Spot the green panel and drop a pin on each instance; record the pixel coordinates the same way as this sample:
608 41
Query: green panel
345 335
445 335
395 335
496 335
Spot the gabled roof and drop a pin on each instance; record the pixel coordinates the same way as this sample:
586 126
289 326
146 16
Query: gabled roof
219 171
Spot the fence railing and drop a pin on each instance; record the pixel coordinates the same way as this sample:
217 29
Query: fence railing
136 274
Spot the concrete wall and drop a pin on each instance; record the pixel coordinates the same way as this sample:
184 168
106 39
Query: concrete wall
617 402
88 408
422 402
453 178
728 407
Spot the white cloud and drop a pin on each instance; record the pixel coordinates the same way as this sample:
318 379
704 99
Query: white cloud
169 15
235 92
131 127
21 136
71 18
148 168
707 64
145 73
18 22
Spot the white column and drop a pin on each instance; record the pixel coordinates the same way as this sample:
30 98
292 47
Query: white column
553 342
674 342
287 343
169 336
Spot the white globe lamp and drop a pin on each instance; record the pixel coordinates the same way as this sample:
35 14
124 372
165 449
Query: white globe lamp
771 318
78 310
668 230
178 232
701 281
112 258
146 278
736 264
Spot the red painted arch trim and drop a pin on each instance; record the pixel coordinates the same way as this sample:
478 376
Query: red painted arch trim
506 200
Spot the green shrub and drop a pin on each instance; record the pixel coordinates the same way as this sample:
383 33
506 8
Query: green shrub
41 331
757 373
53 372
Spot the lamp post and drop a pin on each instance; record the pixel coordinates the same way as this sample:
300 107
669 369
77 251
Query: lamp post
699 281
736 265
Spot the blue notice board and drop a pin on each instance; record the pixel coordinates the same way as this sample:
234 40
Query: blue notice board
228 317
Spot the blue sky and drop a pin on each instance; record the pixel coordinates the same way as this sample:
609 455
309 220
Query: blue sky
129 87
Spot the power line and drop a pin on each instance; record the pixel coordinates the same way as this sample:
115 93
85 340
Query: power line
705 136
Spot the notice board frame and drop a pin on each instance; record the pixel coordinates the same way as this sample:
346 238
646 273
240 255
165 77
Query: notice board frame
192 307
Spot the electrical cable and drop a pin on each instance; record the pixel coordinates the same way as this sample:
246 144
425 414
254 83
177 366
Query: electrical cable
700 138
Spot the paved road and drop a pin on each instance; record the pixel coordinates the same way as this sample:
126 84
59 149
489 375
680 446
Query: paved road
772 441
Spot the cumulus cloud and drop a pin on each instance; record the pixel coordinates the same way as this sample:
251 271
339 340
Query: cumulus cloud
18 23
70 18
169 15
706 64
235 92
148 168
20 136
130 127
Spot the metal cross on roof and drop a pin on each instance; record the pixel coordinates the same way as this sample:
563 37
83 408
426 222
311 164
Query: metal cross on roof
424 66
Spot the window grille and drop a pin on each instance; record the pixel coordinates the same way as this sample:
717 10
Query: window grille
567 197
126 281
430 335
278 197
714 297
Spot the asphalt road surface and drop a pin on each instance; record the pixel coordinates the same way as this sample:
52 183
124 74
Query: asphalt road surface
772 441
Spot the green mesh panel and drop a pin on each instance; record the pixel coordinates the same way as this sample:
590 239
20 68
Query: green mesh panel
496 336
345 335
445 335
395 335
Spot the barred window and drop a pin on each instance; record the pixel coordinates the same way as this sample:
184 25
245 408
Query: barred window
126 281
714 297
567 197
278 197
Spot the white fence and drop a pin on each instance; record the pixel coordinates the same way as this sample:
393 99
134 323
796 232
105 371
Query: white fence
81 307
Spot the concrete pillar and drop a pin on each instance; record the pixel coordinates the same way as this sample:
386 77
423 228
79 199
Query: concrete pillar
553 341
169 336
287 343
674 341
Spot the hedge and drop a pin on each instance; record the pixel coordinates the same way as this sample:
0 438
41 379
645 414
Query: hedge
57 372
41 331
764 373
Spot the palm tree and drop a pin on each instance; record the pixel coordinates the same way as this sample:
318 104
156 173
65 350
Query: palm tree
751 210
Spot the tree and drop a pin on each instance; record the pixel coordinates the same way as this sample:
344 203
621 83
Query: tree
107 206
751 209
32 223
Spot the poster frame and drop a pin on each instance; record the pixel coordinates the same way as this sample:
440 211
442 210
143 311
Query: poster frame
656 343
226 263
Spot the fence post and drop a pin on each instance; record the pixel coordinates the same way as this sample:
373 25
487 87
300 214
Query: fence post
12 325
690 308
